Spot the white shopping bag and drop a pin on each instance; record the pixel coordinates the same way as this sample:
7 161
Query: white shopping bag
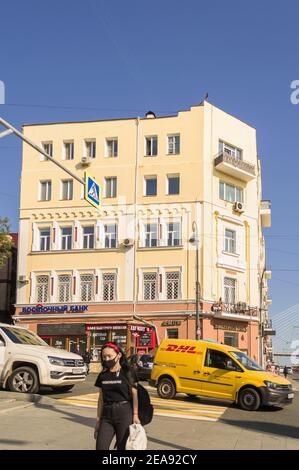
137 439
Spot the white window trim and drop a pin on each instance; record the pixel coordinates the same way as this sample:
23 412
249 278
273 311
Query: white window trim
150 177
174 175
85 143
105 187
167 143
67 181
146 138
106 154
64 149
42 158
235 240
49 183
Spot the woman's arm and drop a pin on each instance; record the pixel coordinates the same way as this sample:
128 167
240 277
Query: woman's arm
135 406
99 413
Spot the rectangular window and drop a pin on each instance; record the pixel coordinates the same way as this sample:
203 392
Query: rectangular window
110 236
231 339
67 190
230 150
64 288
174 144
151 235
230 193
150 186
230 290
230 241
48 148
173 184
109 287
110 187
86 287
42 289
151 146
173 285
111 148
174 234
173 333
90 148
45 190
68 150
44 239
150 286
66 238
88 237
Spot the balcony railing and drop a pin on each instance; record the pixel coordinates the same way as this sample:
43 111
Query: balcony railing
240 308
235 167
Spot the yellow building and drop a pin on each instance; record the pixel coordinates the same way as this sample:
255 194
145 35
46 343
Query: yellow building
129 269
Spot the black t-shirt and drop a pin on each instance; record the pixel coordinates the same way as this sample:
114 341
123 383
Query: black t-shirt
115 386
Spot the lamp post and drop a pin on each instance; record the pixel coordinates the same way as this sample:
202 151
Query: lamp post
194 239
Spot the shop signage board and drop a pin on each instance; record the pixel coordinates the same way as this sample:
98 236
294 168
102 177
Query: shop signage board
145 340
39 308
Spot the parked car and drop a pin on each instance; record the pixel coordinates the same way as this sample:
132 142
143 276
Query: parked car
142 364
27 362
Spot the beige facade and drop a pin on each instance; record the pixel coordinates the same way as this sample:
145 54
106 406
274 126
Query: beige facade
133 258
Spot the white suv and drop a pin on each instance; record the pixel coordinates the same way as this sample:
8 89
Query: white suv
27 362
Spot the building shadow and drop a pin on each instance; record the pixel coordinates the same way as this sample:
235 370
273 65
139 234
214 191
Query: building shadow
265 427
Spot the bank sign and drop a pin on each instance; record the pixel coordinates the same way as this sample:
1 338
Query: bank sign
55 309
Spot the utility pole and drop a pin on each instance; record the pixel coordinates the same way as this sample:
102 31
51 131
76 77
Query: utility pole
195 239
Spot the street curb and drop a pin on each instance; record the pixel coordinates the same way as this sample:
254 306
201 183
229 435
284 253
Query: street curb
28 397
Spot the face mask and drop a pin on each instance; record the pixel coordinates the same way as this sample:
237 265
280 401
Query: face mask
109 364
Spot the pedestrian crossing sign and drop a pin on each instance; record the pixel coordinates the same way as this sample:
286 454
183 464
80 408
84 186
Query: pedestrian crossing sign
92 193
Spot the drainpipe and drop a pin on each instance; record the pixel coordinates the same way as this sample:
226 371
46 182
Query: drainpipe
135 216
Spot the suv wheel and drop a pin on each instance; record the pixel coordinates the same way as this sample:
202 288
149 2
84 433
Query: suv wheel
166 388
249 399
23 380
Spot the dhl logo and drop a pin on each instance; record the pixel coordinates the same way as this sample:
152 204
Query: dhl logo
182 348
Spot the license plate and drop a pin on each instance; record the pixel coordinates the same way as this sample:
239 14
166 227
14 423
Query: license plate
290 395
78 370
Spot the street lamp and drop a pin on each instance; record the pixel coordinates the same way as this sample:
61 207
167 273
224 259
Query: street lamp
194 239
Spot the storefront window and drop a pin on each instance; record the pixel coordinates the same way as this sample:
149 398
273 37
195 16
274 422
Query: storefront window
97 339
231 339
173 333
120 338
59 343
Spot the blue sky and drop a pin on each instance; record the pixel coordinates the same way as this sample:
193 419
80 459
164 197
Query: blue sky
96 59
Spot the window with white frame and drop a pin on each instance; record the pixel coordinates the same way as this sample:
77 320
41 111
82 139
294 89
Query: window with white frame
230 193
110 235
151 235
88 237
109 287
86 287
174 144
173 184
150 286
44 239
45 190
151 146
230 150
110 187
67 190
230 241
174 234
68 147
172 333
48 148
111 148
230 285
42 289
90 148
150 186
173 285
64 288
66 238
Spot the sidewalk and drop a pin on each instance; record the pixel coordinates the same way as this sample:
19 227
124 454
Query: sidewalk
45 424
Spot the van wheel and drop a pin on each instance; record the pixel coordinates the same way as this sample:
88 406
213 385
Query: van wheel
65 388
24 380
166 388
249 399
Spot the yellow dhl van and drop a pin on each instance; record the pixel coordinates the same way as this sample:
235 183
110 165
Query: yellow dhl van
217 371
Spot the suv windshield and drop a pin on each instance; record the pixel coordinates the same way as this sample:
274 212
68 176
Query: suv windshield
22 336
245 360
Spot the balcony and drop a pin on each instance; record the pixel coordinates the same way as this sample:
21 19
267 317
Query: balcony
268 329
266 214
232 166
240 311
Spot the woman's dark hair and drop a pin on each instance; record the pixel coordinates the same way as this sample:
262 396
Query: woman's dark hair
123 362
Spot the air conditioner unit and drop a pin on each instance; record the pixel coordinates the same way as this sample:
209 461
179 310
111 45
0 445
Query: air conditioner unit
23 278
86 161
238 207
128 242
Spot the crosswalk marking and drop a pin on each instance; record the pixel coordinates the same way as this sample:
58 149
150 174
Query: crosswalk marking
168 408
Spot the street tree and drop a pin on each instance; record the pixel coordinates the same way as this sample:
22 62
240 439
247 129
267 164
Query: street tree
5 240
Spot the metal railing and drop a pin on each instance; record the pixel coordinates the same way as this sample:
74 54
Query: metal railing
225 157
240 308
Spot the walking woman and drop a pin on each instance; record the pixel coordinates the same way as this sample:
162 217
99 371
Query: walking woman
118 400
